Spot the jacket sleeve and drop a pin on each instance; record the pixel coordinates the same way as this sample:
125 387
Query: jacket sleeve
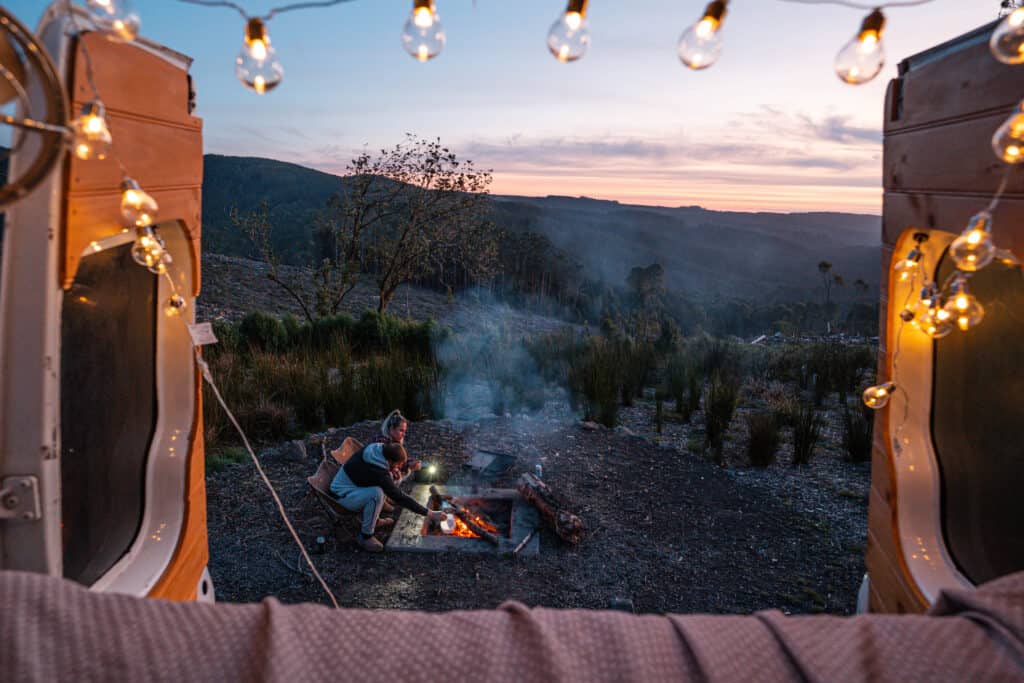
396 494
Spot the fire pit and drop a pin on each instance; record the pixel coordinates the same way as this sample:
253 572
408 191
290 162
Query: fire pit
504 513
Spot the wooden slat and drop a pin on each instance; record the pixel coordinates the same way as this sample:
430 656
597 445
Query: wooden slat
153 152
954 158
951 212
133 79
96 216
953 88
155 137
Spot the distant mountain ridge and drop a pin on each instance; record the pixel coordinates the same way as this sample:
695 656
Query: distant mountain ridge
706 253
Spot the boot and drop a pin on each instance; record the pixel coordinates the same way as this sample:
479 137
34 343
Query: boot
370 545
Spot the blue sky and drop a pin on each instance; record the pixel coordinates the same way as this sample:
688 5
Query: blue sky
769 127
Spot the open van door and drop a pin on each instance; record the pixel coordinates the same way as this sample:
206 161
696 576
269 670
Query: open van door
100 401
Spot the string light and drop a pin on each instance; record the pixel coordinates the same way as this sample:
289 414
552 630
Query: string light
137 208
569 37
973 249
905 268
877 397
963 307
176 305
423 35
256 65
700 45
863 57
92 138
147 250
116 16
1008 140
1007 42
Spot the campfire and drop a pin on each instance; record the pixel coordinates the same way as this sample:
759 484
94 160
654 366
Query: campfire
470 518
481 521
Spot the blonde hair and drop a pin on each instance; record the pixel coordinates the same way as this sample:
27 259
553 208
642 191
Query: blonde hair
394 420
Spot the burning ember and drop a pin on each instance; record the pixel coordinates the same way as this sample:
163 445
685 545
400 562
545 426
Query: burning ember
461 530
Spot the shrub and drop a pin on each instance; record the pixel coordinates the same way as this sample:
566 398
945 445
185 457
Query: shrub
719 406
763 443
265 420
259 330
783 409
806 433
659 410
594 382
858 425
693 394
675 382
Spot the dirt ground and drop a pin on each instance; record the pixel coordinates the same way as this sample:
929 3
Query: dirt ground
667 530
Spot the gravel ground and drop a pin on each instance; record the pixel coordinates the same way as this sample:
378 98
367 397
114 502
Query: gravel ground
667 529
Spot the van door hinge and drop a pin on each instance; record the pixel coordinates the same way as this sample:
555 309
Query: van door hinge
19 498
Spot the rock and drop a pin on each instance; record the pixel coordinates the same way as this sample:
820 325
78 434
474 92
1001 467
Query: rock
590 426
294 451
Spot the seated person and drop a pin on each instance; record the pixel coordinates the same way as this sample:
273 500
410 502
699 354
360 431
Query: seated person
393 430
362 483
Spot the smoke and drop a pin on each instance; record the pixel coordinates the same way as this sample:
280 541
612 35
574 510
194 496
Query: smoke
489 369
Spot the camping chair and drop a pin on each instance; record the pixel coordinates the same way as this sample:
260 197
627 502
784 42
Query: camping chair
320 483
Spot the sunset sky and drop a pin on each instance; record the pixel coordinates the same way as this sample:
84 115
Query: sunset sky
769 127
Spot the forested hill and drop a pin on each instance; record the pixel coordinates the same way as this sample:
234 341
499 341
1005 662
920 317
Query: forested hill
703 252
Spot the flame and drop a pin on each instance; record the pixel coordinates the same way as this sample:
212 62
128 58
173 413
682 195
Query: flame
463 531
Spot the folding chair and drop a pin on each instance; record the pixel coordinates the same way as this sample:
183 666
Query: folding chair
320 484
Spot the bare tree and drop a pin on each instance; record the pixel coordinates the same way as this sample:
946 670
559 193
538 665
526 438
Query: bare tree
432 210
412 212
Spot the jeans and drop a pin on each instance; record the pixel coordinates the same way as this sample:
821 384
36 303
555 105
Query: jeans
369 499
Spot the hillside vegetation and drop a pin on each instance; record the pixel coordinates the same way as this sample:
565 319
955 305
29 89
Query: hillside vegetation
707 254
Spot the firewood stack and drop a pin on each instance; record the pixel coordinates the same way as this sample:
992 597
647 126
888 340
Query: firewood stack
568 526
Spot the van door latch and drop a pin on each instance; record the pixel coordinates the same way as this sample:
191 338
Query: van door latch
19 498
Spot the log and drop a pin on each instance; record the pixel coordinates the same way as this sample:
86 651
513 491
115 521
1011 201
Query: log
467 518
568 526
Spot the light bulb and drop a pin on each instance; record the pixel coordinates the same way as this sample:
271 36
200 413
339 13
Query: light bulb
906 268
117 17
963 308
256 65
1007 42
137 208
878 396
924 303
160 267
974 249
91 136
423 35
147 250
1008 140
863 57
569 36
175 305
936 322
700 45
